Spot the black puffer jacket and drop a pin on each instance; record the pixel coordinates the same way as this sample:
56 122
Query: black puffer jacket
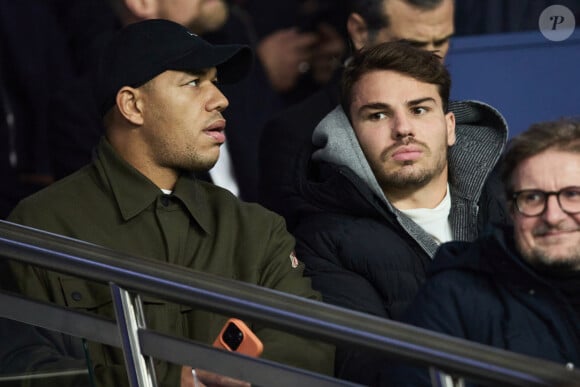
529 311
360 251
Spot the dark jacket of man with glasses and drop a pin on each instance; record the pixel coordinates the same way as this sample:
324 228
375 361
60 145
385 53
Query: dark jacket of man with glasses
516 288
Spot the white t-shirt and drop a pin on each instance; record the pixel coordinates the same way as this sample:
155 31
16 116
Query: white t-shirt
435 221
222 174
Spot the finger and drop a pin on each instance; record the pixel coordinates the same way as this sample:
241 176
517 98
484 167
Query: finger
213 379
305 40
327 31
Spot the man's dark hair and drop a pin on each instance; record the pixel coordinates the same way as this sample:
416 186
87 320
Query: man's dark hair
373 12
400 57
563 135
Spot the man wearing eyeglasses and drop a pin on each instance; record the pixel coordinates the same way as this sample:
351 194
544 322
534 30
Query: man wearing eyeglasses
517 288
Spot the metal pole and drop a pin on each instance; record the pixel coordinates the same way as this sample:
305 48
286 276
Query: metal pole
130 318
442 379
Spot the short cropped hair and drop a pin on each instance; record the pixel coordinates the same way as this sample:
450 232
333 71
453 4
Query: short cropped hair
373 12
400 57
562 134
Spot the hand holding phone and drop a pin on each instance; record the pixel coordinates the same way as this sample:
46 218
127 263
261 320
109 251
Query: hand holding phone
236 336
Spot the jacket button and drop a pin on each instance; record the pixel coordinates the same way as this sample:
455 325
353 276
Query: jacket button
532 292
76 296
570 366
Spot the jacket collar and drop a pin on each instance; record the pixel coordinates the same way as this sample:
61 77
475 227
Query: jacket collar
134 192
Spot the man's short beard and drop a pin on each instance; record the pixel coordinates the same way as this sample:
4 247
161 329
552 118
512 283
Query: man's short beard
196 163
202 165
399 181
538 259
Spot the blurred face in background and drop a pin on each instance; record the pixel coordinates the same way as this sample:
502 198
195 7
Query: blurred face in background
429 30
200 16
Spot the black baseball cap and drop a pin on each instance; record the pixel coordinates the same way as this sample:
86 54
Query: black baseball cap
143 50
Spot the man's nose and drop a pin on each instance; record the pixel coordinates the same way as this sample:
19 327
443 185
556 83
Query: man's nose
553 213
402 126
217 100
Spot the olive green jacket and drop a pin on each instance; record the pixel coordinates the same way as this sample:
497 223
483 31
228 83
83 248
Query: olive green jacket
199 226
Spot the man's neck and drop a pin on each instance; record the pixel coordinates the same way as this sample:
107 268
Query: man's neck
129 146
164 178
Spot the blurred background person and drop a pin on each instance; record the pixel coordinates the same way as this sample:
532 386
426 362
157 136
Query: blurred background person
35 115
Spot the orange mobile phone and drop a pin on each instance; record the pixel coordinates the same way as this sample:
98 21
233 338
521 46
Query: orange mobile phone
237 337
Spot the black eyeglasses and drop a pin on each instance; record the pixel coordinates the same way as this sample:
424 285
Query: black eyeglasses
532 202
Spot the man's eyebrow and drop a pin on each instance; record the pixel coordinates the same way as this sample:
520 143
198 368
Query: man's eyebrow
420 43
375 106
443 40
414 43
201 73
421 100
386 106
196 72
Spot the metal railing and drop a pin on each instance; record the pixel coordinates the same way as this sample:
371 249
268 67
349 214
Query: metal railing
286 312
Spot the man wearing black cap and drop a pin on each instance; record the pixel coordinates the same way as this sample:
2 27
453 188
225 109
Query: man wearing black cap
156 89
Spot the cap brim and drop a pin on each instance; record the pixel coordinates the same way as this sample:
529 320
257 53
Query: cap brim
233 62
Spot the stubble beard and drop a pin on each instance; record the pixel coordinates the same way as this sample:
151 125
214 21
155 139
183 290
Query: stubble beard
541 257
198 162
406 180
174 154
405 177
191 159
569 261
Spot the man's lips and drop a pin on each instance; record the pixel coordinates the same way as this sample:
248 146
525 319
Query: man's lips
554 232
407 153
216 131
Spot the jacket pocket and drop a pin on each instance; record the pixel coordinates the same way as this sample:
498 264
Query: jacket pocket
82 294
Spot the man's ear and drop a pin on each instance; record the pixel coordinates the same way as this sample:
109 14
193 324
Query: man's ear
129 105
357 30
450 123
143 9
